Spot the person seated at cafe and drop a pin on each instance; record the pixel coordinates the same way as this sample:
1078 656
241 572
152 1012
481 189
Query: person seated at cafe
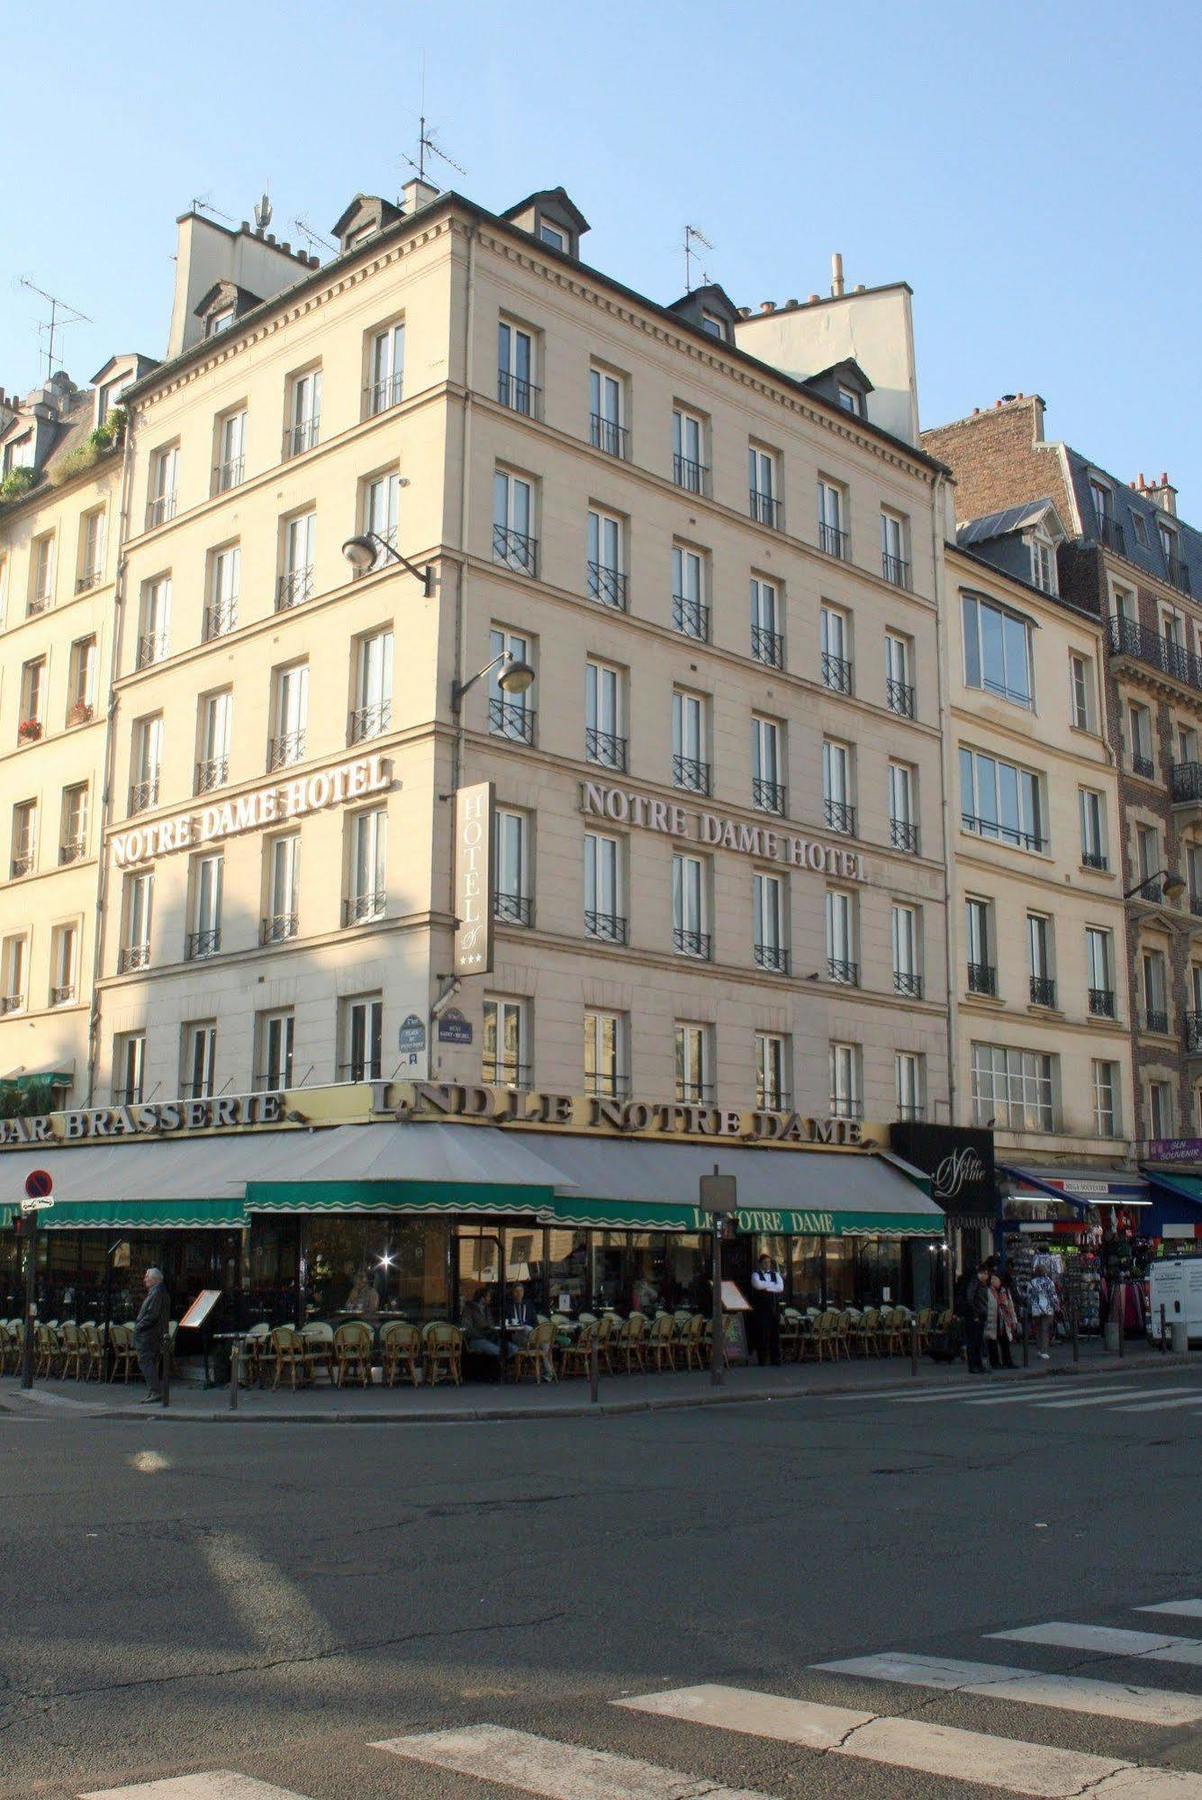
475 1318
519 1311
644 1296
363 1297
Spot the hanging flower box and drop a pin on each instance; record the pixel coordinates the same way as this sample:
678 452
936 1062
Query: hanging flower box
29 730
80 714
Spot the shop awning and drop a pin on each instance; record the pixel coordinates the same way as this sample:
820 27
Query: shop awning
1177 1206
20 1080
180 1184
1079 1188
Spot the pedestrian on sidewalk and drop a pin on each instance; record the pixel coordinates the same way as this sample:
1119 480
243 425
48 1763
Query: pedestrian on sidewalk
1007 1319
1041 1298
150 1329
767 1287
976 1314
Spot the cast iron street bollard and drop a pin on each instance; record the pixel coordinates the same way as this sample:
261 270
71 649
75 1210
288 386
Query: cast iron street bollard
1164 1342
717 1348
1122 1318
235 1372
1026 1328
594 1370
166 1354
1076 1334
913 1346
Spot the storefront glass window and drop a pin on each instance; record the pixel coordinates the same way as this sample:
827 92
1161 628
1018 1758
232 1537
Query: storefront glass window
880 1282
805 1258
271 1271
567 1269
840 1271
374 1266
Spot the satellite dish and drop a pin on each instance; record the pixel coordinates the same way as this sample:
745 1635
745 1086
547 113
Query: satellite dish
263 214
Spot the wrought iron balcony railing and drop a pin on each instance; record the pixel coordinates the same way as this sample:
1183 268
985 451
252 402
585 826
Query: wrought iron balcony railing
369 721
836 672
899 697
768 646
212 773
286 748
605 748
1043 991
133 956
982 979
519 395
833 541
160 508
515 550
896 570
1110 532
1185 783
72 850
511 719
768 796
512 909
772 956
202 943
143 794
1193 1033
378 396
1005 834
361 909
152 648
606 434
276 928
294 587
1155 1019
692 476
220 619
228 474
607 585
1101 1003
691 617
302 436
839 816
766 509
906 983
690 774
903 836
610 928
1094 859
1128 638
61 996
691 943
838 969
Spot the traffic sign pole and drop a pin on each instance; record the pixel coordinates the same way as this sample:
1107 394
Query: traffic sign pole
29 1238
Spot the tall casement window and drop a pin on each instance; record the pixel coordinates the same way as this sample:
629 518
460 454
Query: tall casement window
304 413
381 509
277 1040
291 708
689 470
24 839
372 710
1040 960
386 374
997 650
1107 1118
690 768
1000 801
1160 1110
606 1070
895 563
767 623
1092 807
513 904
690 613
1043 563
137 900
907 950
32 703
299 549
161 495
367 871
909 1075
607 413
903 815
225 574
1148 860
1139 739
772 1087
767 765
14 972
64 964
1156 988
129 1068
846 1097
841 963
606 563
89 568
836 650
199 1059
1099 967
1013 1089
505 1057
832 520
694 1062
154 631
1082 692
282 917
216 727
604 715
771 922
690 906
73 826
204 939
515 370
41 574
899 674
837 808
1193 870
146 761
362 1038
604 911
510 715
230 467
978 939
81 681
513 542
763 485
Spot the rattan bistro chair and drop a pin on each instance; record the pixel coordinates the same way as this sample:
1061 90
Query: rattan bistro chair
319 1342
290 1353
353 1346
401 1350
693 1341
442 1346
535 1354
121 1352
631 1342
575 1358
71 1349
607 1329
661 1341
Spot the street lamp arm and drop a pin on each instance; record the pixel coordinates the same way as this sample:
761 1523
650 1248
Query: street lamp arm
517 677
361 552
1173 884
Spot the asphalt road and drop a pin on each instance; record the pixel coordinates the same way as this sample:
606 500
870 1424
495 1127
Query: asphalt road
273 1602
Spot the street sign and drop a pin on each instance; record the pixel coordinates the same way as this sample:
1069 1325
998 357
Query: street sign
35 1206
718 1194
38 1183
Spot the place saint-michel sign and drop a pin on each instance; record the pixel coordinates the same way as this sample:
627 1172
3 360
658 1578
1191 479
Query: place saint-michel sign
712 830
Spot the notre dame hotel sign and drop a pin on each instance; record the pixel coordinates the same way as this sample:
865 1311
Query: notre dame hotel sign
620 806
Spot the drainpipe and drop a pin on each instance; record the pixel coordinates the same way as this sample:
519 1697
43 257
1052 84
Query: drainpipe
938 509
110 749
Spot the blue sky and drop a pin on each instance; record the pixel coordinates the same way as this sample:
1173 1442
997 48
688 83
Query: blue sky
1031 170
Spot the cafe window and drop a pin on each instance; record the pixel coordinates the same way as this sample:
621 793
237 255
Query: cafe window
375 1267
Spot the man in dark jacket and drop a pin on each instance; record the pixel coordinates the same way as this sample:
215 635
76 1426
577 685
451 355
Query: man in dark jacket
150 1328
976 1316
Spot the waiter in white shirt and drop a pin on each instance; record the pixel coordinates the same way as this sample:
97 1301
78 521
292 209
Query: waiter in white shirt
767 1286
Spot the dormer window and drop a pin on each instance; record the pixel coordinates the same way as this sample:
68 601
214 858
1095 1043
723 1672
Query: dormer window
551 234
551 218
1043 564
850 400
220 321
713 324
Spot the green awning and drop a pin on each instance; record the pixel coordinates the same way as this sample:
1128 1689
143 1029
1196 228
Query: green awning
395 1196
143 1215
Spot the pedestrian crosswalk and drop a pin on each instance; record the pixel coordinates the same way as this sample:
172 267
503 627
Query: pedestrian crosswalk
842 1723
1039 1396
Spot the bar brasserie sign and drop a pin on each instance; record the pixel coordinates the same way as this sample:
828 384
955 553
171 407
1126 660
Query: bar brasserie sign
227 1112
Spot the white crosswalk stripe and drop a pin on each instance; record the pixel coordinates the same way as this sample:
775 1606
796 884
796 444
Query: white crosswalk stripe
1149 1646
1186 1609
1069 1693
219 1784
1163 1405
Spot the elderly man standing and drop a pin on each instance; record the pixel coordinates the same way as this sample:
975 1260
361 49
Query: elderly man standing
150 1328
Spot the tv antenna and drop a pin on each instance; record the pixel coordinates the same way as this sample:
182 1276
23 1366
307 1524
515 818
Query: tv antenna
693 235
202 203
61 315
426 146
314 238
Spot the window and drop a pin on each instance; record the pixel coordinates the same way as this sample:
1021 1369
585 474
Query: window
204 939
899 682
511 900
690 770
515 370
73 827
1103 502
907 955
895 565
1147 856
381 502
81 682
606 568
1160 1109
216 724
277 1038
505 1056
362 1038
841 964
607 412
903 817
694 1062
767 639
513 543
1187 743
1141 530
41 573
14 968
32 701
604 913
548 234
690 906
1002 802
767 765
1099 967
199 1060
146 761
64 964
225 571
129 1068
689 469
1193 866
231 451
25 838
510 715
219 322
161 499
283 889
832 535
1043 563
19 453
136 905
604 715
771 921
1013 1089
836 650
909 1081
386 379
1092 807
851 400
711 323
978 937
1105 1082
154 630
690 614
367 872
1168 545
997 651
304 413
90 565
1081 692
1156 1005
838 811
845 1100
1123 601
772 1088
291 707
372 710
606 1069
1139 732
1039 957
763 483
299 547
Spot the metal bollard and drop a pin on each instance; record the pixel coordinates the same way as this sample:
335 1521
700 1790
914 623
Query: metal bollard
1026 1330
1076 1335
235 1373
1122 1318
166 1365
594 1372
1164 1341
913 1346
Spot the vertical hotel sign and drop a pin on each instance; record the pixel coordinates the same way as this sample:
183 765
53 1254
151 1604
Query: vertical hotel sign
474 815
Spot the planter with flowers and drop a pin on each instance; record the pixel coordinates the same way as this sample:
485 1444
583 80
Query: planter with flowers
80 714
29 730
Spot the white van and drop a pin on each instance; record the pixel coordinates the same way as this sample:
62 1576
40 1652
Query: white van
1175 1282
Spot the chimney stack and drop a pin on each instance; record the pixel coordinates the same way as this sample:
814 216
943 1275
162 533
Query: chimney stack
1161 493
836 276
